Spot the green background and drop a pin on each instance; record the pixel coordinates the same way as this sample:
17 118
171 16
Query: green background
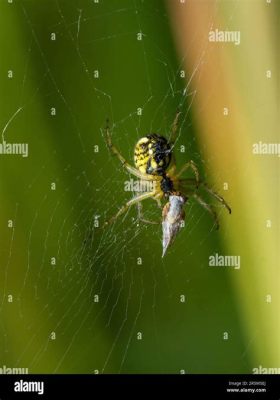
59 223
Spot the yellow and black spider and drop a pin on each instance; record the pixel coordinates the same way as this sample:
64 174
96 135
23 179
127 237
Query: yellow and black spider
154 163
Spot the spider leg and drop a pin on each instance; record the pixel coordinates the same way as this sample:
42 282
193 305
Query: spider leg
190 164
158 202
208 208
174 128
171 170
126 206
217 196
141 218
189 182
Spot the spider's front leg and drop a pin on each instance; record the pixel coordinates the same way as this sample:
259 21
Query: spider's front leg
174 128
190 164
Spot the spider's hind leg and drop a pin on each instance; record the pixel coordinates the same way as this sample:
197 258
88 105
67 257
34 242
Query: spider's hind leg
141 218
208 208
216 195
127 205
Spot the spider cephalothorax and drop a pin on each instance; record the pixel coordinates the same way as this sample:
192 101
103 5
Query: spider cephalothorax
152 157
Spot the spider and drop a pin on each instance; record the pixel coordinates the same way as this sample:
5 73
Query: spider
154 163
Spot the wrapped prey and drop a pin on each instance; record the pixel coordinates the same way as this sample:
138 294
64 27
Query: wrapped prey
172 217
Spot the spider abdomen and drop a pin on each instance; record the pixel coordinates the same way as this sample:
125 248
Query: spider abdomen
152 154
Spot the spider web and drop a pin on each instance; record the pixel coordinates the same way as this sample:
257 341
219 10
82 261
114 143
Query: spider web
87 299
